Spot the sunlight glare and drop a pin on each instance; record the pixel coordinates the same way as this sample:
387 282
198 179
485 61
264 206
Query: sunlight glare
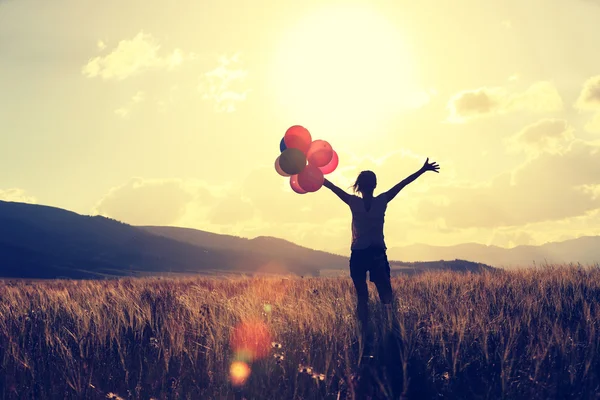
345 68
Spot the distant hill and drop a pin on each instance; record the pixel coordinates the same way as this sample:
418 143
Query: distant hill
46 242
38 242
264 245
584 250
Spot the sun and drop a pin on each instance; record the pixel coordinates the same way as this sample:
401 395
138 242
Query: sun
344 69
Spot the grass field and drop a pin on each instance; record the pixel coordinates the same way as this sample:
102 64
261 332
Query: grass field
531 334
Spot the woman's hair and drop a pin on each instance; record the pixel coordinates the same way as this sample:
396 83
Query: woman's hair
366 182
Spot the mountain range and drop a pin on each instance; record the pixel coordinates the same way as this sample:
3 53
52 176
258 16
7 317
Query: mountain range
38 242
584 250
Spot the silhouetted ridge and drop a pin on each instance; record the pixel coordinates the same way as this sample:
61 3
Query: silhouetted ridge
39 241
584 250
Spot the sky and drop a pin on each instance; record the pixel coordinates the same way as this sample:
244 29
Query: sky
171 113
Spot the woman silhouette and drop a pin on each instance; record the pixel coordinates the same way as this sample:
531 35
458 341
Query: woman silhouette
368 249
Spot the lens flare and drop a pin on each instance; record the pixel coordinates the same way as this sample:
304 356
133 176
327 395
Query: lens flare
252 339
239 373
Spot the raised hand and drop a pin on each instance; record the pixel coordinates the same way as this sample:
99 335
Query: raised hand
433 166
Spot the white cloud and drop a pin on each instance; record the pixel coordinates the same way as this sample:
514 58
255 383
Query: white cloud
473 103
587 224
540 97
225 84
16 195
550 135
551 186
594 124
125 111
181 202
131 57
525 206
589 98
146 201
246 208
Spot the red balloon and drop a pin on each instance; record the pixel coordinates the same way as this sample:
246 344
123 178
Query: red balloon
329 168
294 185
278 168
311 178
297 137
292 161
319 153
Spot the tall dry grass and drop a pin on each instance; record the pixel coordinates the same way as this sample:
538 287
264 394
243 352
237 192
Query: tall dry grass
530 334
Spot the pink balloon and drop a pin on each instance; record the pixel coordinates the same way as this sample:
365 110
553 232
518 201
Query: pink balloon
319 153
278 168
294 185
297 137
329 168
311 178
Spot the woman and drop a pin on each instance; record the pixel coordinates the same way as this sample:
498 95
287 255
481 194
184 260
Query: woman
368 249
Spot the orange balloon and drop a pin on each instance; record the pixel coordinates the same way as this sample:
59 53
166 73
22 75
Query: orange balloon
294 185
311 178
292 161
297 137
319 153
278 168
329 168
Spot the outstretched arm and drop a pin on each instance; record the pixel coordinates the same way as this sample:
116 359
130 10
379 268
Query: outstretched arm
390 194
340 193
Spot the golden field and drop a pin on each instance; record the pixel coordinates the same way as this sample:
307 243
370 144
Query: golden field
532 334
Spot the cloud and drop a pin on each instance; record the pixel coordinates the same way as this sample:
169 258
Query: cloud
545 135
131 57
587 224
511 238
551 186
589 98
539 97
16 195
527 205
594 124
224 84
146 201
472 103
262 203
137 98
231 211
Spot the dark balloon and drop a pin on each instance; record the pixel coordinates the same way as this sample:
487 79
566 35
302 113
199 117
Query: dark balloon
282 145
292 161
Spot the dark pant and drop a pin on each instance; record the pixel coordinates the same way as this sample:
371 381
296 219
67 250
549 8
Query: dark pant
374 260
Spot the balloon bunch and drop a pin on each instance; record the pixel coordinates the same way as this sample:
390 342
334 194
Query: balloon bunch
305 161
